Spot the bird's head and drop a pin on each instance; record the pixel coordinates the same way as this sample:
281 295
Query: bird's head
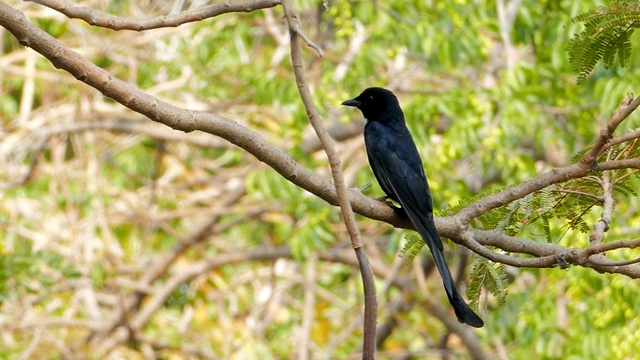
375 103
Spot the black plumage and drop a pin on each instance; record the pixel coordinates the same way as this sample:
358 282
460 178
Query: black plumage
397 166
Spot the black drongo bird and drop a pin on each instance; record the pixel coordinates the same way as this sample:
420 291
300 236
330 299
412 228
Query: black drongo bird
397 166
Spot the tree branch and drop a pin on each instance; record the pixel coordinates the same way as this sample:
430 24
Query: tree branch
189 120
626 107
557 175
370 307
96 18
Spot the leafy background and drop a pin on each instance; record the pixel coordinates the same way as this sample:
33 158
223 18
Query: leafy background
92 196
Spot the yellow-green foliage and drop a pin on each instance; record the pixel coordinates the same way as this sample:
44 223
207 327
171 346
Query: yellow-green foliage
606 36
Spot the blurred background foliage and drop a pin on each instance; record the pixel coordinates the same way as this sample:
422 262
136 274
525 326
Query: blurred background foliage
93 194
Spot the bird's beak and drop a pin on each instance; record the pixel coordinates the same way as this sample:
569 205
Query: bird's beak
352 102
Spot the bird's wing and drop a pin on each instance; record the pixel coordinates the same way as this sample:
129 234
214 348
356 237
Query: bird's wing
396 163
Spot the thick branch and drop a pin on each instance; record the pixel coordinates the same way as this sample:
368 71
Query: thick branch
188 120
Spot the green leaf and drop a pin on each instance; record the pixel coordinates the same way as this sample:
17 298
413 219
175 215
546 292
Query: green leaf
488 275
414 243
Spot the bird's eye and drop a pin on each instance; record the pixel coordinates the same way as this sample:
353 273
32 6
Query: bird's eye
371 98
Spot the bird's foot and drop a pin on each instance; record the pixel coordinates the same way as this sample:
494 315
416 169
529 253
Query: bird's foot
396 209
562 262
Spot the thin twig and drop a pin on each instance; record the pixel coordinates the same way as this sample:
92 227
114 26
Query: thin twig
294 27
626 107
601 226
622 138
308 314
581 193
370 307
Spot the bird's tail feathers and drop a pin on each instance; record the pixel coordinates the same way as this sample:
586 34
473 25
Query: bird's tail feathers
463 312
427 230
